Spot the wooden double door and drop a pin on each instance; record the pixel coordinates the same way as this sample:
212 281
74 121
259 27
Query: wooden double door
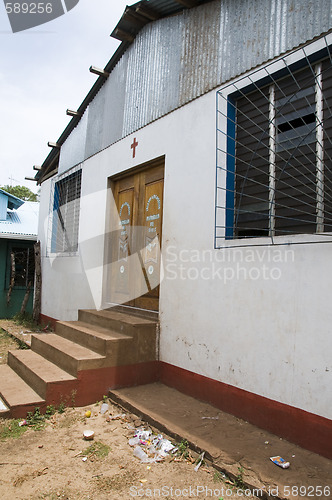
135 239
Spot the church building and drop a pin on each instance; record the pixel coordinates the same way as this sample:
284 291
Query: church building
186 215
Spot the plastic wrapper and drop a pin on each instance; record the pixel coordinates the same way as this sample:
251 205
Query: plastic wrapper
280 462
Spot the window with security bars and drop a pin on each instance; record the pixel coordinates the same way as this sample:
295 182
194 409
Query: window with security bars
21 262
66 210
278 150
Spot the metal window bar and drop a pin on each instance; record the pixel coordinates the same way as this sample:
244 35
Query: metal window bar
318 120
24 266
258 170
64 215
276 154
319 149
314 194
272 160
264 131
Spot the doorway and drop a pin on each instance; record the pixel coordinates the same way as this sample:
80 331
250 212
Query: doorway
135 237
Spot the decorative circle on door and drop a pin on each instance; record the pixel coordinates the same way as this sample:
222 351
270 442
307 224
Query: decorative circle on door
122 269
150 269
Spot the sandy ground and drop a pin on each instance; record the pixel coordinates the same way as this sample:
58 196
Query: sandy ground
6 343
48 463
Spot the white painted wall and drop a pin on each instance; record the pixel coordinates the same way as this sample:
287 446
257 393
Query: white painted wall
262 324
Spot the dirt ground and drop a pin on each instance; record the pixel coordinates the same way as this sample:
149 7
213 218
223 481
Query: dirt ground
48 463
57 462
6 343
20 331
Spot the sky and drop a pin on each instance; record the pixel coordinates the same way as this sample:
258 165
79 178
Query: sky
43 72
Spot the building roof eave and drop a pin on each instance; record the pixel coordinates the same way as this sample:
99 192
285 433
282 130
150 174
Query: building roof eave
134 18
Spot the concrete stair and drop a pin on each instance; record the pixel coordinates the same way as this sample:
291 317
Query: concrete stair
80 362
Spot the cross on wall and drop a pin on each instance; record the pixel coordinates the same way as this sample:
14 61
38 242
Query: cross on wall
134 146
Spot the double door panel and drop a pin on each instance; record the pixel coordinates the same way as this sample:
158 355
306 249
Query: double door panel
136 239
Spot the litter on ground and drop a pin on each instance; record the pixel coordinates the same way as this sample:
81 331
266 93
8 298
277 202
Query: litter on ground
280 462
156 448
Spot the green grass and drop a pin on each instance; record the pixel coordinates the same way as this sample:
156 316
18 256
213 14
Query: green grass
239 478
11 429
50 410
7 343
36 420
183 450
26 321
97 449
217 477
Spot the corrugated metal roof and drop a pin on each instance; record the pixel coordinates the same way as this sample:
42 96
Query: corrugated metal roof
21 223
163 8
178 58
138 15
13 201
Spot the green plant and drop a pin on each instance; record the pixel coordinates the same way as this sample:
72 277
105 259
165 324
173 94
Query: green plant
61 407
217 477
50 410
200 460
11 429
239 478
6 337
35 419
183 448
26 321
21 192
97 449
22 345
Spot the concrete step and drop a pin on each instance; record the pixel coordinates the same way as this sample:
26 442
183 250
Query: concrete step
38 372
79 360
143 331
143 313
68 355
16 394
96 338
115 320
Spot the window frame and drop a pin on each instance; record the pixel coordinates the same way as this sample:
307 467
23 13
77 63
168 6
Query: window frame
226 135
20 246
56 203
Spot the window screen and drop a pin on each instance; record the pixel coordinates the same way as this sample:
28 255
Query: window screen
66 210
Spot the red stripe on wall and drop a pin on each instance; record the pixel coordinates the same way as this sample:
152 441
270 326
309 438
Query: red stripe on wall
94 384
47 321
308 430
298 426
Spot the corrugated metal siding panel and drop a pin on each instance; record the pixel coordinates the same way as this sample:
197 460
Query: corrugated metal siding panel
199 51
95 123
176 59
254 31
115 89
153 73
73 149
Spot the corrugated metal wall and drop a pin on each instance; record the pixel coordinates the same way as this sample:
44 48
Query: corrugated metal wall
176 59
73 150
